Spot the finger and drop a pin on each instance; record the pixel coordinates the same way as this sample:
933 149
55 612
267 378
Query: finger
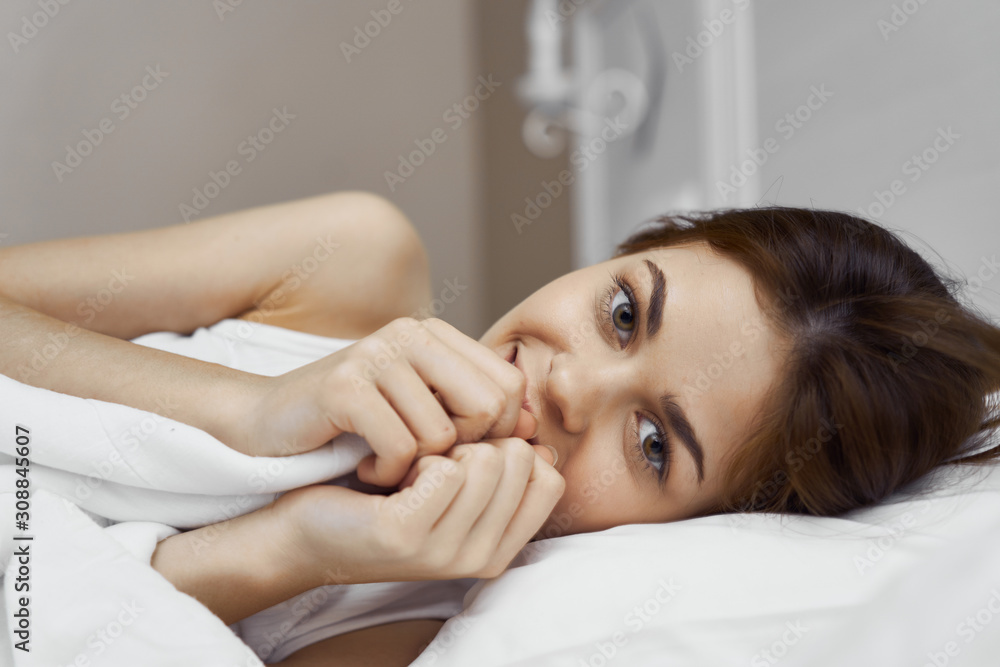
418 467
471 397
519 459
422 412
526 428
483 465
393 445
431 494
506 376
546 452
544 488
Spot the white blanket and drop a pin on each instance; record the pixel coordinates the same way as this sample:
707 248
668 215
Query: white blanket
91 596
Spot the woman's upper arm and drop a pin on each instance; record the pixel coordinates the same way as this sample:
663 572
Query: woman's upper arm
180 277
390 645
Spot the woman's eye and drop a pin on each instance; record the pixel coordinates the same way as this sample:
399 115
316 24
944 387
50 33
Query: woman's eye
653 445
622 314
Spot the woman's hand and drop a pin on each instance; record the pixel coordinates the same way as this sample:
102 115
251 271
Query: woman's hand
383 388
466 514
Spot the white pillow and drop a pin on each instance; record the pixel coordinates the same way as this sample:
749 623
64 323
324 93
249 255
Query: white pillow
913 581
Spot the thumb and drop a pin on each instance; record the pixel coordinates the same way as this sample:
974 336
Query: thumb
547 453
526 427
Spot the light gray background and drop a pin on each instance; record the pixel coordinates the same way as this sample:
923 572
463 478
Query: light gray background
354 119
940 69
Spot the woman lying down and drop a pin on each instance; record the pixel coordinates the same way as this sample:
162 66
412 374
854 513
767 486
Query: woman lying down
695 362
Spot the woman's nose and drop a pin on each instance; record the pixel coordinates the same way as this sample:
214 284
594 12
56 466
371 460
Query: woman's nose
578 387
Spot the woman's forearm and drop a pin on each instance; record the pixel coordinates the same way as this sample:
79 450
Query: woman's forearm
46 352
237 567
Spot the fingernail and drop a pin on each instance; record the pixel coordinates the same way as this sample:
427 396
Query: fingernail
534 431
555 454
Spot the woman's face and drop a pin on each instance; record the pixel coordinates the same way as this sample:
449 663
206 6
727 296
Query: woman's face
683 325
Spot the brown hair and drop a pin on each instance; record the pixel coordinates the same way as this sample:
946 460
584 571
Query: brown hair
887 375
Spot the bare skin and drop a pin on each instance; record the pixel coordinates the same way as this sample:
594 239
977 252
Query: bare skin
591 384
379 646
88 294
595 380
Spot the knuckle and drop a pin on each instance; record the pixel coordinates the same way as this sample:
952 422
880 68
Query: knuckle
492 409
403 324
558 485
517 382
443 438
394 541
487 455
434 461
492 570
472 563
461 452
421 333
406 447
436 559
435 324
423 330
551 481
368 346
519 449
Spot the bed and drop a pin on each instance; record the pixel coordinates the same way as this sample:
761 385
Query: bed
912 581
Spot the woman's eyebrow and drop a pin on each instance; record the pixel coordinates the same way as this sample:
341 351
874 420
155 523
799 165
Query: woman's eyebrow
654 314
682 427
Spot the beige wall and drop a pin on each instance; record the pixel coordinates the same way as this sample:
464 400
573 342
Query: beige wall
225 75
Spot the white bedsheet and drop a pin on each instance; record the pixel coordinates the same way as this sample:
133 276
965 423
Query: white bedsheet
912 582
108 482
84 576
